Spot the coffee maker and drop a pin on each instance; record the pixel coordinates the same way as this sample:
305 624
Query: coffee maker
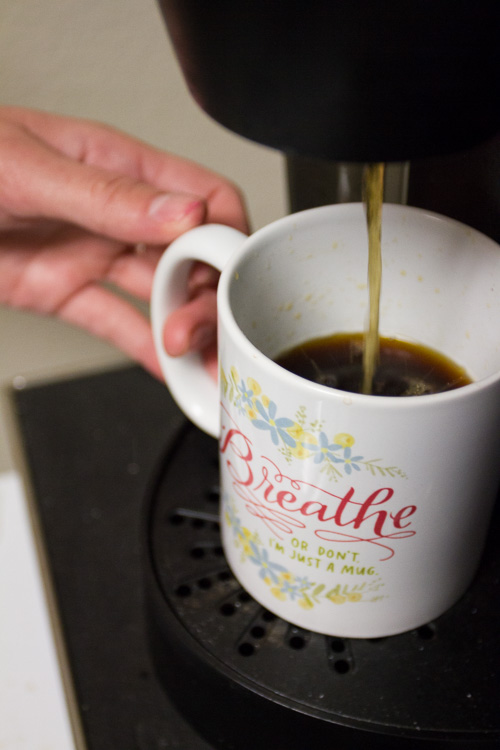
333 84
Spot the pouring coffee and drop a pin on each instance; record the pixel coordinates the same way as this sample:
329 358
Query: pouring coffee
342 82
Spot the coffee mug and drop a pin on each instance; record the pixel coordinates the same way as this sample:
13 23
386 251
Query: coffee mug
346 514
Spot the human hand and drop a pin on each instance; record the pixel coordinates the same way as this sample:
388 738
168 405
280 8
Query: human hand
85 213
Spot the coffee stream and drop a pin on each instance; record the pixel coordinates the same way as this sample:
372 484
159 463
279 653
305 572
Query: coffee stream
365 362
374 195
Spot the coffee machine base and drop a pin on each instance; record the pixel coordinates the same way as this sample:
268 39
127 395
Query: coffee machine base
154 622
245 678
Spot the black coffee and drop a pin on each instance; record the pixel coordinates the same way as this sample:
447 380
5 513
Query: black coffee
403 369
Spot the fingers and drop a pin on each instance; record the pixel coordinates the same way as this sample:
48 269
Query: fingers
224 201
106 181
118 188
201 277
102 314
133 271
192 327
40 272
37 182
210 361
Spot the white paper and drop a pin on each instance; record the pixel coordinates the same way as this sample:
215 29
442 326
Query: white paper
33 710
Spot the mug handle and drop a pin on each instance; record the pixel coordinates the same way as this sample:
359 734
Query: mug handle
193 389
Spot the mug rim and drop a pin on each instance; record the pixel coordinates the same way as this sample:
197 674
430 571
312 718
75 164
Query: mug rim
225 313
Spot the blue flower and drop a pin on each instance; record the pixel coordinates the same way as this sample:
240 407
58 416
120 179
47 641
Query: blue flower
241 407
275 426
290 589
303 582
246 393
267 568
324 450
350 461
233 519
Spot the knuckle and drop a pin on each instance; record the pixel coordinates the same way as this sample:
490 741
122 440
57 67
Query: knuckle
109 191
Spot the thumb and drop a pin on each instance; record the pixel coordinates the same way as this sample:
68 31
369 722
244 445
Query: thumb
45 183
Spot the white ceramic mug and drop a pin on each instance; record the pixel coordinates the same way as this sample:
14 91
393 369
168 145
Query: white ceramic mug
346 514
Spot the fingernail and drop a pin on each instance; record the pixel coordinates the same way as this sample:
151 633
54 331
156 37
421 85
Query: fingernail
202 336
171 207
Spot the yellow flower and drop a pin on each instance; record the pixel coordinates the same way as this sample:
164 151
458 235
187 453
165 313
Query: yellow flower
305 603
251 413
296 431
285 577
244 539
337 598
344 439
300 452
223 380
275 591
254 386
266 401
354 597
301 436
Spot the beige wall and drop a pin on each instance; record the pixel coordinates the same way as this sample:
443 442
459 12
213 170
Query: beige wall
110 60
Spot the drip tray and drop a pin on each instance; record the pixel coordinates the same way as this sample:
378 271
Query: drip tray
247 679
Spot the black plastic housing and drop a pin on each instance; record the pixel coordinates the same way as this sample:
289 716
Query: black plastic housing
344 80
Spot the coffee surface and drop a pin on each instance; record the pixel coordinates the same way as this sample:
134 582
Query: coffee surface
403 368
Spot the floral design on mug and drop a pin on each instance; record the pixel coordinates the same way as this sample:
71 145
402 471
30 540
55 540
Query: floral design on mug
276 426
297 438
285 585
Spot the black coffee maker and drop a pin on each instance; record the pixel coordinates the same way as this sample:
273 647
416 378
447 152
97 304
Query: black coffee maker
333 84
336 83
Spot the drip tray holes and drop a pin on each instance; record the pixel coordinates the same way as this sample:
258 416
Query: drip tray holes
228 609
183 591
426 632
341 666
297 642
205 550
238 601
213 495
204 582
297 639
339 655
257 631
246 649
268 616
337 645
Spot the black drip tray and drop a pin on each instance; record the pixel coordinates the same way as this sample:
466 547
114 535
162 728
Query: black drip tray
247 679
